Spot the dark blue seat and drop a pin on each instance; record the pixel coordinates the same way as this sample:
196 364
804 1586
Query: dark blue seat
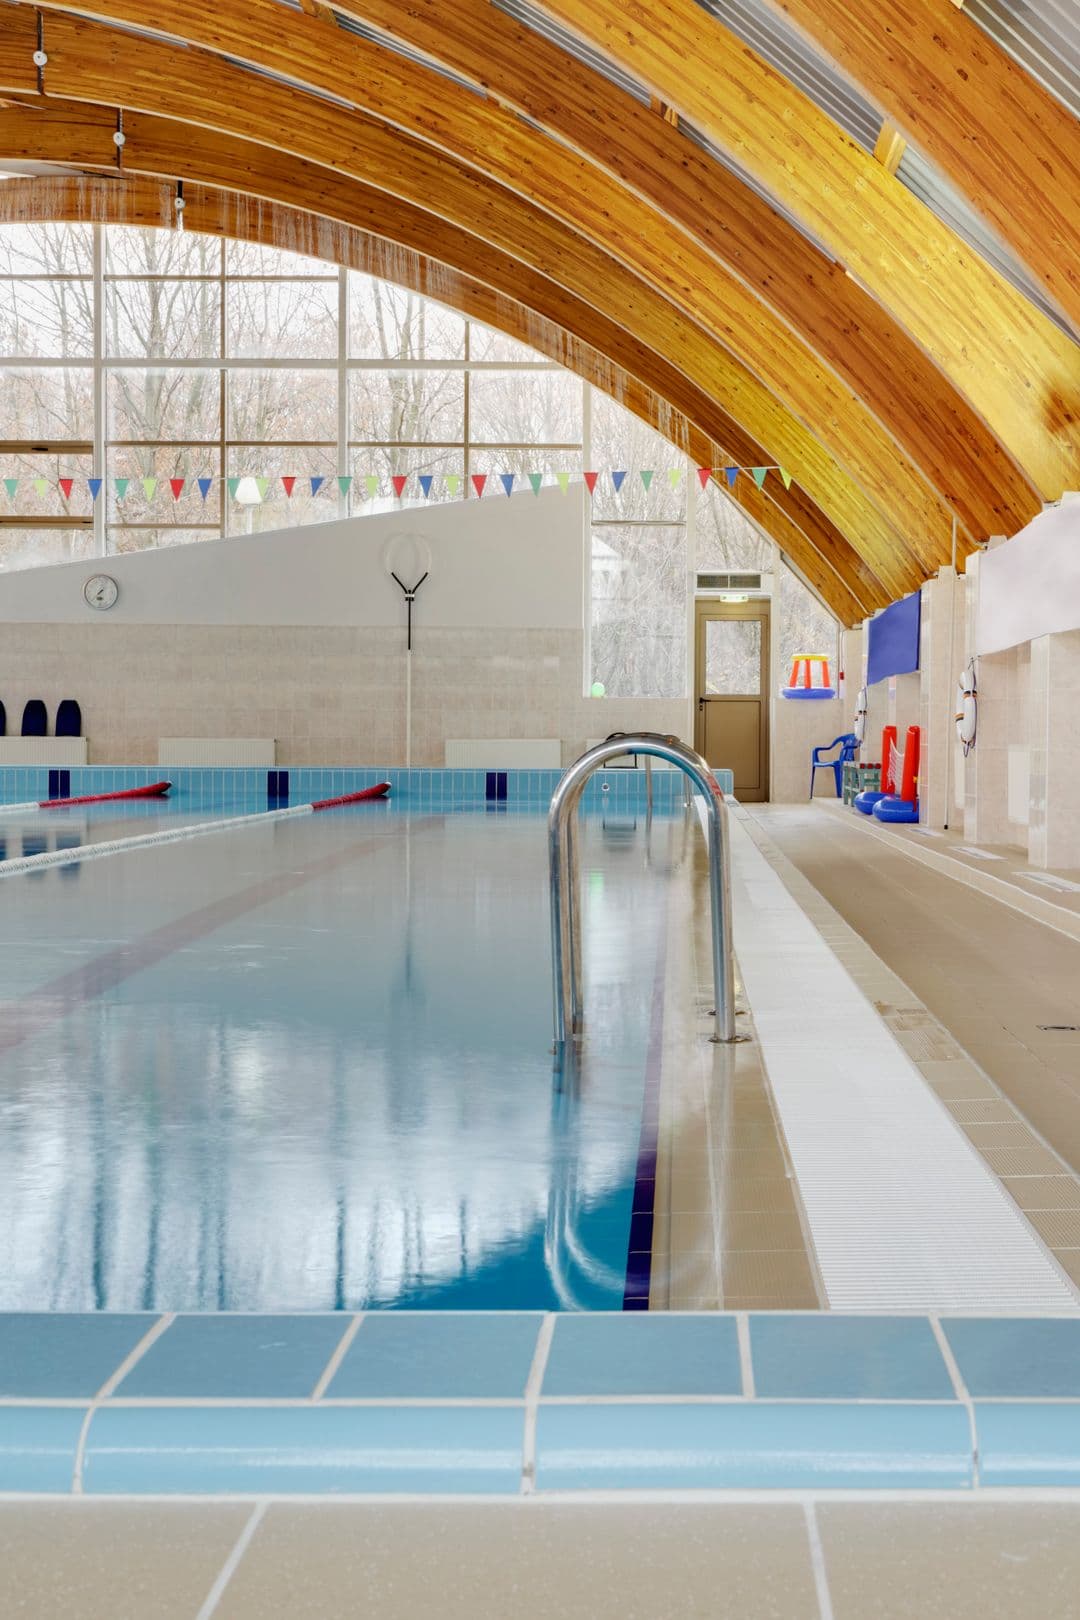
848 745
69 719
35 719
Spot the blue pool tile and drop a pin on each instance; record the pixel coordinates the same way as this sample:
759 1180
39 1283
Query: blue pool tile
37 1447
753 1444
658 1354
1016 1357
304 1449
269 1356
62 1355
442 1354
1028 1443
847 1358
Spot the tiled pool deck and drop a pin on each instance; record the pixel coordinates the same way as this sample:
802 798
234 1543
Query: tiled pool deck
510 1404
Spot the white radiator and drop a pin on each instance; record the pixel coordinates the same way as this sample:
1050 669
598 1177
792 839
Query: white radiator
504 753
217 751
42 750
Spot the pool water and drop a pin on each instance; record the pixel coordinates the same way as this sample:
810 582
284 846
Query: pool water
307 1065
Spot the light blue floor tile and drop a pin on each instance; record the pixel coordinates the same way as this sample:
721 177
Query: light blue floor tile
756 1444
847 1358
639 1354
270 1356
444 1354
1016 1357
66 1355
1021 1443
304 1449
37 1447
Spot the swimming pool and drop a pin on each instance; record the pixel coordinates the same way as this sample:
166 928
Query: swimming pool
306 1065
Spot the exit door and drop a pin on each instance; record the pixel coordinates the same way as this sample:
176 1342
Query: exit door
732 687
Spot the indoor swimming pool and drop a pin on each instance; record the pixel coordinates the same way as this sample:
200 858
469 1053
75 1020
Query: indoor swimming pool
307 1065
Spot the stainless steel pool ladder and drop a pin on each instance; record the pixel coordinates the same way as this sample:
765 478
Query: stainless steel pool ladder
565 881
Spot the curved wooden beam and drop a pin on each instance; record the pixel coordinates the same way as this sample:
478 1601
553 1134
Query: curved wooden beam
753 356
1004 141
211 93
836 317
146 202
1010 360
65 133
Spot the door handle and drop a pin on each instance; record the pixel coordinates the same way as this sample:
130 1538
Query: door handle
700 703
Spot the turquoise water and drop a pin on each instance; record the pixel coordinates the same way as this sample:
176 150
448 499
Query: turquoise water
307 1065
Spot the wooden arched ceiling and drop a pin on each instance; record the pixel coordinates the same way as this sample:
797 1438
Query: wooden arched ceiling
733 265
1010 360
1002 139
81 135
211 93
138 201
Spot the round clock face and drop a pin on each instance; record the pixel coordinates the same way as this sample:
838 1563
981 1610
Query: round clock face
101 591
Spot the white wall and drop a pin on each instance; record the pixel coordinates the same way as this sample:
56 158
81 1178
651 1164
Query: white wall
504 563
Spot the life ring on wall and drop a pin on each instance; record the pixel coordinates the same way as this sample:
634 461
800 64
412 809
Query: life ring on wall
860 716
967 708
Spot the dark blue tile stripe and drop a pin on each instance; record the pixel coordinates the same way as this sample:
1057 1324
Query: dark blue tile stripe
639 1243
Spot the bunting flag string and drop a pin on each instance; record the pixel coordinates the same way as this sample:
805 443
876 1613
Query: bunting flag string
70 487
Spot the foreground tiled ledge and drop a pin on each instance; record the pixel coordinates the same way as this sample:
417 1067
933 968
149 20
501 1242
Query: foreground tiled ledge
508 1404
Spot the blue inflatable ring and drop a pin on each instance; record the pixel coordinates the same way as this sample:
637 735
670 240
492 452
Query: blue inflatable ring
807 692
866 800
893 808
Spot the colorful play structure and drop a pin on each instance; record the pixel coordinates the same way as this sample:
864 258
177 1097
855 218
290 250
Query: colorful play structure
801 681
887 803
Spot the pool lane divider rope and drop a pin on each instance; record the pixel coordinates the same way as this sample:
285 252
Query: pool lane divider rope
154 790
173 835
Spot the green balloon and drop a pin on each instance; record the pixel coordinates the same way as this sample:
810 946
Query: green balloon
598 689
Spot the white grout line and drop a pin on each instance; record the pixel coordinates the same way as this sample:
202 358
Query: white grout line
114 1379
742 1328
337 1358
817 1562
232 1563
955 1496
533 1386
962 1393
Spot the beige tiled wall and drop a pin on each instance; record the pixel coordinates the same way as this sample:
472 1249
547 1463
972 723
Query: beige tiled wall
329 694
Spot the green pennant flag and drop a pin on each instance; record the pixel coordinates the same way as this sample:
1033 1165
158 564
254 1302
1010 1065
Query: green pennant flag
371 485
41 485
233 485
536 479
121 486
675 477
563 480
759 475
646 476
453 482
149 485
344 483
786 476
262 485
11 485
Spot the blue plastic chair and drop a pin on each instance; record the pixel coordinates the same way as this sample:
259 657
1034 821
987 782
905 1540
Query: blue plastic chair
848 745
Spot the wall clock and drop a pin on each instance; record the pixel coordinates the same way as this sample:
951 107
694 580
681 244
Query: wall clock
101 591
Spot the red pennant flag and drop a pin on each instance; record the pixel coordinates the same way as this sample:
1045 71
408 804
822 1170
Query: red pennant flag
704 473
177 487
66 485
399 481
590 479
287 486
478 482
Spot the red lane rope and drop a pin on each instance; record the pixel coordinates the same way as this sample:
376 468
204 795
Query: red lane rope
379 791
156 790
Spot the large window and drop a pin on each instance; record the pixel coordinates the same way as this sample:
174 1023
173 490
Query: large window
174 366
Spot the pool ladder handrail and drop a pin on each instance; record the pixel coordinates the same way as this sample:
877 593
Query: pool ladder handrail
565 885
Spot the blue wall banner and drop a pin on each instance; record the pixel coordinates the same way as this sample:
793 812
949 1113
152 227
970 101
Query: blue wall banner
894 640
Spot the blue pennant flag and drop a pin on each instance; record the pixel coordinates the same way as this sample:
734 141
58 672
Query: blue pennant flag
317 484
94 486
507 482
617 480
731 473
426 481
204 486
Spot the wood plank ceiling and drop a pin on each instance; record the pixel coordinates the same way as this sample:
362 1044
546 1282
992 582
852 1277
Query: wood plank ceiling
847 334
